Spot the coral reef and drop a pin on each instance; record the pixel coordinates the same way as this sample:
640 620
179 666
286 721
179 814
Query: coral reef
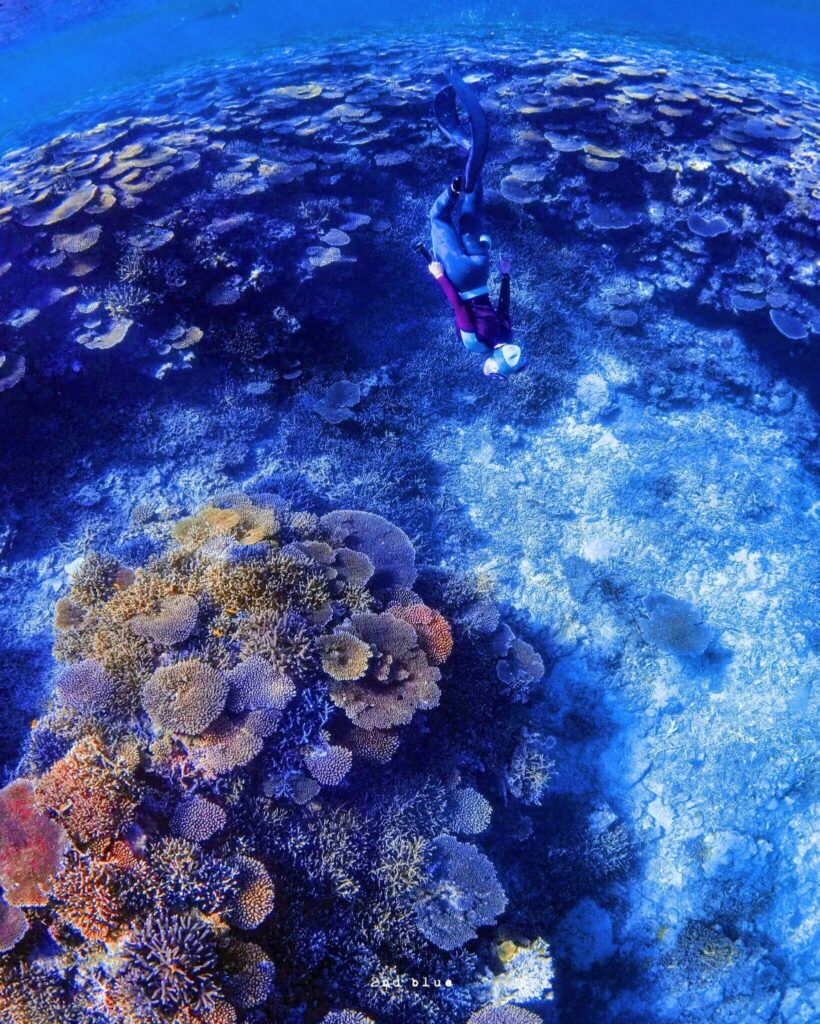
218 838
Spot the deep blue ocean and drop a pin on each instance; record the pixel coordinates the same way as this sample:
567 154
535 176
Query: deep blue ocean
409 512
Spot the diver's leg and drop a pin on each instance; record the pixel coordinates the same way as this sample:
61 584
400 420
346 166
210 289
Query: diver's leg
479 129
446 241
470 223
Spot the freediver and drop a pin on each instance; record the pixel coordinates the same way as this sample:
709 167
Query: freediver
461 250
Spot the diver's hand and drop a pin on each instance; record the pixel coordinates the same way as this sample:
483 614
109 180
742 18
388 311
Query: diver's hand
436 269
504 265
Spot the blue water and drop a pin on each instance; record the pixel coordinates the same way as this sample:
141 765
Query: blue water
53 54
602 803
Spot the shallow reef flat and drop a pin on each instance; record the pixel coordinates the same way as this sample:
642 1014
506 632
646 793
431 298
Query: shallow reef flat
143 231
539 719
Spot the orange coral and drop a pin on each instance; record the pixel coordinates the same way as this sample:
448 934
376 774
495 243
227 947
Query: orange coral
254 902
85 890
432 629
31 846
92 792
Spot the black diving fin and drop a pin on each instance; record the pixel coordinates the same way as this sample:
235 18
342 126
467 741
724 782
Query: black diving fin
446 111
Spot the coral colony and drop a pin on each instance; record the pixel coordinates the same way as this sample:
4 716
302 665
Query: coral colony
246 791
368 694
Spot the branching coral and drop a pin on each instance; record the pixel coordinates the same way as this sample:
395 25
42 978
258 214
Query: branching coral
531 769
170 962
92 792
86 893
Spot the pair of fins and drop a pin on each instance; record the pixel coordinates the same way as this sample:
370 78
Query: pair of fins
476 141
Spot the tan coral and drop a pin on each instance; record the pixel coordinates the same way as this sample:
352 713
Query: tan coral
399 680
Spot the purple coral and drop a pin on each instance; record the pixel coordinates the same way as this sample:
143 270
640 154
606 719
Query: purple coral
31 846
387 547
462 893
85 685
172 960
13 926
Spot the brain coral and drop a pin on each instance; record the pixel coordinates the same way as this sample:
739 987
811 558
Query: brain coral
213 752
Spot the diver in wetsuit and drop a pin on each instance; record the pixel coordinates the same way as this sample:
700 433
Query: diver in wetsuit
461 250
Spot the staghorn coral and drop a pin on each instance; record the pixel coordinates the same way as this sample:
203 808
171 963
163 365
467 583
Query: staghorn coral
170 964
31 846
92 793
185 697
95 580
87 899
531 769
